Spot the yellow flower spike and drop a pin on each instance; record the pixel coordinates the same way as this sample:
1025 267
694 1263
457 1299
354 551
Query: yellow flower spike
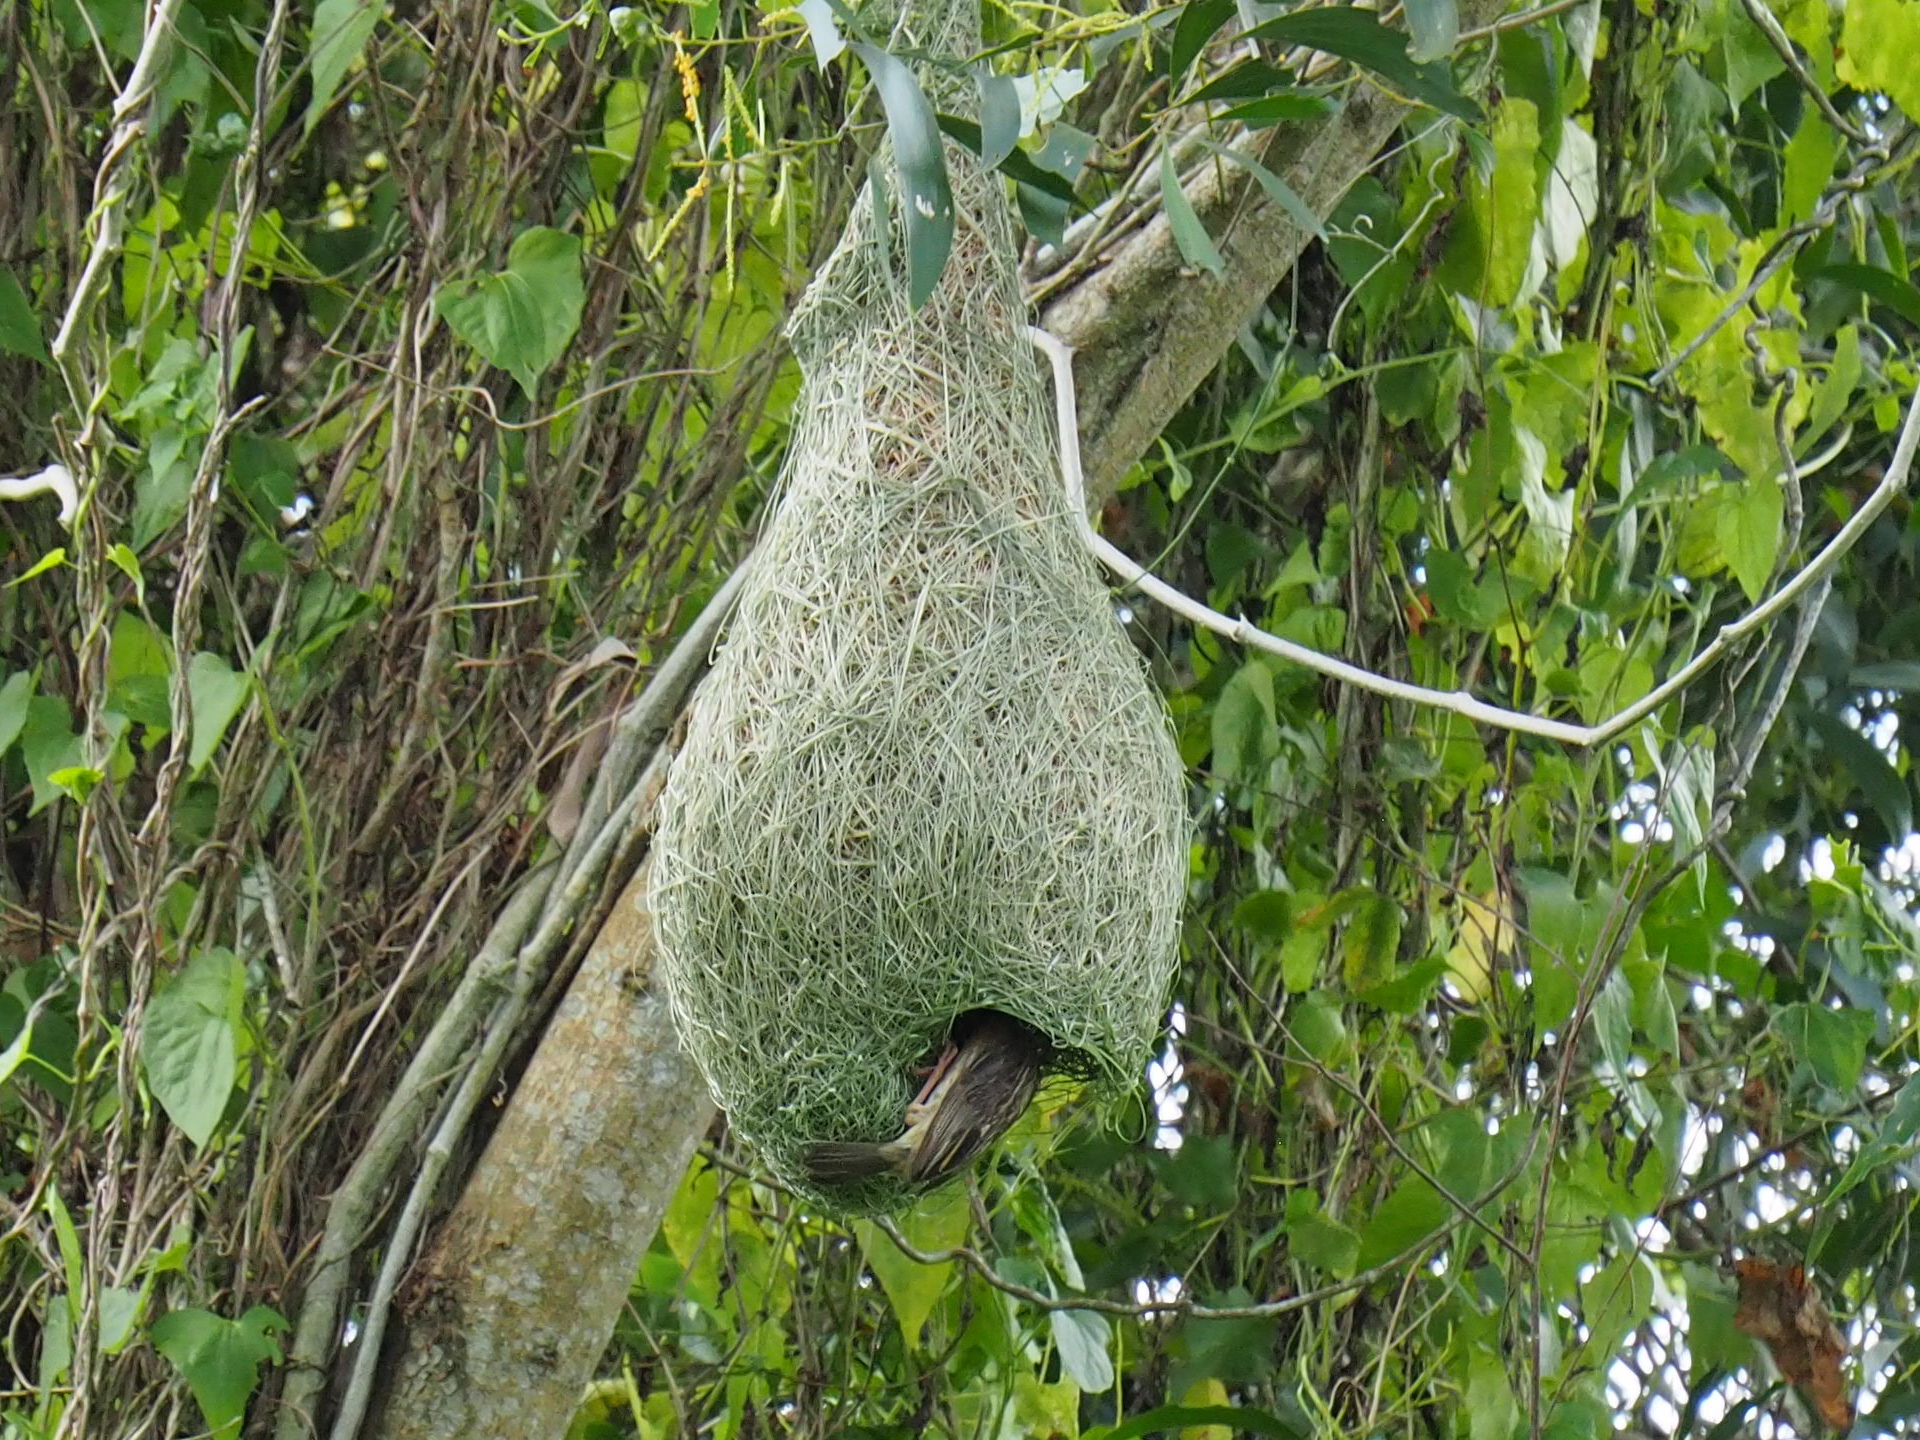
689 83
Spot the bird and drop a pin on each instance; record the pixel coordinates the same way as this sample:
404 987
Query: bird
982 1082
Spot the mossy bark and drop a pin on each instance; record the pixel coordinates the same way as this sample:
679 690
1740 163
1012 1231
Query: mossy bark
506 1316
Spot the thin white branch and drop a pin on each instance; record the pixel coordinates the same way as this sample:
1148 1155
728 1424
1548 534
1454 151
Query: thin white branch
55 479
1458 701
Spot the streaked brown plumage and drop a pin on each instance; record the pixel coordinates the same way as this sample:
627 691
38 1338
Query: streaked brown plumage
981 1084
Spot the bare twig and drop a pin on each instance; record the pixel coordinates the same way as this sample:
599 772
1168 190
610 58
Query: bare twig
1783 47
980 1266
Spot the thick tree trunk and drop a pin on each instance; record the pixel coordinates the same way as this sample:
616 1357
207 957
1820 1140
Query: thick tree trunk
503 1322
1149 328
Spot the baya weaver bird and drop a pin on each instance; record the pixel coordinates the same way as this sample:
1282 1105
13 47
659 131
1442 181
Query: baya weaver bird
982 1082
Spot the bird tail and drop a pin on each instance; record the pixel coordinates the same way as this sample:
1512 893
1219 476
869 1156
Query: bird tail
835 1162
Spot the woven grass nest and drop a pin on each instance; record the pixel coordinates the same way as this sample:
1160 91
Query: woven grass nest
927 773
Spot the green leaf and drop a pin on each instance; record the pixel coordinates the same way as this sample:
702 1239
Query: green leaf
1490 254
1245 738
1436 30
1016 163
1411 1213
1318 1240
1901 675
688 1228
220 1359
1878 42
1202 1173
1873 775
1614 1301
341 29
1893 291
1266 914
1199 22
1240 1352
1246 80
218 691
1902 1121
161 493
1083 1339
1836 390
828 43
922 167
1043 1408
1371 944
19 330
1457 596
52 560
1750 532
13 706
1300 957
1710 1306
76 780
129 565
1188 233
523 317
1357 35
72 1257
119 1311
140 672
189 1042
1492 1412
497 317
1281 193
936 1222
1809 165
1239 1419
48 745
17 1045
1406 992
548 260
1064 155
1316 1024
999 119
1833 1042
1275 109
56 1340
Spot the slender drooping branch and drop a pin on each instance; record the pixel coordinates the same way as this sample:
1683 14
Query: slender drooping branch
1459 702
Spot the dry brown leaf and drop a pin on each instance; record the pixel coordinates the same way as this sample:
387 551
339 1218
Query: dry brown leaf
1778 1308
1486 937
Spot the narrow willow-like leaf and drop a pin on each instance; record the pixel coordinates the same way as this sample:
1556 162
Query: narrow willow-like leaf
999 117
1281 193
822 31
1358 35
1016 164
1188 233
1200 21
1436 29
1245 80
927 201
1880 286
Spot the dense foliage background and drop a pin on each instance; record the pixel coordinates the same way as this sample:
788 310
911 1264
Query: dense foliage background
420 369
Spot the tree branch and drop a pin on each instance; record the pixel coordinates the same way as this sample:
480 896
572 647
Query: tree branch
1459 702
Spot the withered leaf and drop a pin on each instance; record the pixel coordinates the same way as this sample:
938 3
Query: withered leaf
1778 1308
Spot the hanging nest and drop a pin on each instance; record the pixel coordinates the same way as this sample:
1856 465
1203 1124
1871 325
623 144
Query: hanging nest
927 773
